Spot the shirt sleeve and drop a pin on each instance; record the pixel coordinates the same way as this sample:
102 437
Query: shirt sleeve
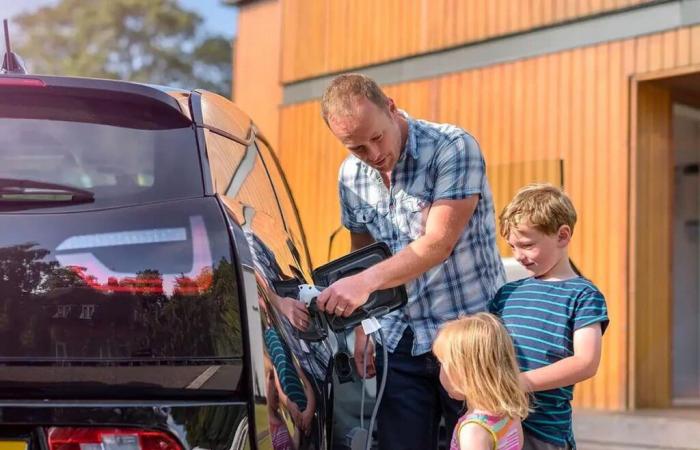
347 212
590 309
459 169
495 305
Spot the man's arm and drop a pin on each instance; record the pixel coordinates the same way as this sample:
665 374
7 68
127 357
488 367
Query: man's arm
569 371
445 223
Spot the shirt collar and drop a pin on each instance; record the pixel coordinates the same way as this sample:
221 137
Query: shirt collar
411 147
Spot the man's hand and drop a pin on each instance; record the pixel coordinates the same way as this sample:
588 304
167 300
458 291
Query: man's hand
344 296
359 353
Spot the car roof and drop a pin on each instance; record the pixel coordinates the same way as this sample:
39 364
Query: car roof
217 112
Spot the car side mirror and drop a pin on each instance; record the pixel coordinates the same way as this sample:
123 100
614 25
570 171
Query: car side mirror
379 303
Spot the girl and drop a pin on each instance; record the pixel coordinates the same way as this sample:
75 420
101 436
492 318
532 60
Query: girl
478 366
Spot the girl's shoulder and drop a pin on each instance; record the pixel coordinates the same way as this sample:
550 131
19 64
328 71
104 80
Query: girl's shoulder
479 428
474 435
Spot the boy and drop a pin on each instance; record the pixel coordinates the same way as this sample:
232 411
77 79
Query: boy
555 317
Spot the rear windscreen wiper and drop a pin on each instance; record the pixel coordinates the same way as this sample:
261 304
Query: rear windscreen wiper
20 191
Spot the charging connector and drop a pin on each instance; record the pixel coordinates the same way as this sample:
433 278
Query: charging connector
357 439
371 326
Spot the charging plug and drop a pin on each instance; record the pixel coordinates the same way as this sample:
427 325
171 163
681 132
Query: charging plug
357 438
370 325
308 292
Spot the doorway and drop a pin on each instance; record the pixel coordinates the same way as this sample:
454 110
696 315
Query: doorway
686 255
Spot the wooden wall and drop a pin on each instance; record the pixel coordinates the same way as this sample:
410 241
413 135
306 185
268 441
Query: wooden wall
256 83
573 107
322 36
651 319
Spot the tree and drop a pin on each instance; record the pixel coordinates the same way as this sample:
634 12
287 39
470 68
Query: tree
153 41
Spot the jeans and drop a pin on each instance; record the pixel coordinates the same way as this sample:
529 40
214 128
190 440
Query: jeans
414 401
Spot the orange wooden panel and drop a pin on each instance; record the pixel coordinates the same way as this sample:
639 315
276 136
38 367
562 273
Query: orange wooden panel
257 88
641 59
528 115
468 11
490 18
375 31
695 45
653 199
600 237
655 52
683 47
670 49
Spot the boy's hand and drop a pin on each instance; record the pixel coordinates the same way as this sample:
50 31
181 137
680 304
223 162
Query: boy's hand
569 371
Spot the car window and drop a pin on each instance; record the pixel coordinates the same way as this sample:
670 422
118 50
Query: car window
121 165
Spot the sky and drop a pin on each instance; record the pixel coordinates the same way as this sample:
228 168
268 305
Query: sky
218 18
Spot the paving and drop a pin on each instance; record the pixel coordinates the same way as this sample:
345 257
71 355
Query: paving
671 429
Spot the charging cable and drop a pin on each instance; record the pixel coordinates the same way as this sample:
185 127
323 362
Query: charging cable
371 326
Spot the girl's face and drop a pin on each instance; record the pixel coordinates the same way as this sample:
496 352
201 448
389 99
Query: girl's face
447 384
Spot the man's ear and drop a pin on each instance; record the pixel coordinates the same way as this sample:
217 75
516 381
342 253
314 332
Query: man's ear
564 235
391 105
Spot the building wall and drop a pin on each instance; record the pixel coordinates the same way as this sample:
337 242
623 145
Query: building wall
257 85
330 36
571 106
563 117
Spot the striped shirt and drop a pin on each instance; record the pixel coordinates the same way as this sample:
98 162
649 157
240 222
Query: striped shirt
541 317
438 162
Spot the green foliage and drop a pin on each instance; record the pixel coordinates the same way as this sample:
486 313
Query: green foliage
153 41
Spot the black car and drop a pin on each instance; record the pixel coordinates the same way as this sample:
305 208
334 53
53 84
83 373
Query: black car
150 253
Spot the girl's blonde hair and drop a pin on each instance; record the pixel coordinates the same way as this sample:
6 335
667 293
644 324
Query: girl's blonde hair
477 355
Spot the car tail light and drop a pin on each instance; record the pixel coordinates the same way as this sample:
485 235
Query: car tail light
22 82
69 438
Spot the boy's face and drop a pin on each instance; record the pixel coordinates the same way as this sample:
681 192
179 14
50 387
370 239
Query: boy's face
539 252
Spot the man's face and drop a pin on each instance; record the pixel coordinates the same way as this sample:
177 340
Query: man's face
371 133
538 252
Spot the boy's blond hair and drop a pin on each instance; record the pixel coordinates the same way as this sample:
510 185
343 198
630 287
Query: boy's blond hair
542 206
477 355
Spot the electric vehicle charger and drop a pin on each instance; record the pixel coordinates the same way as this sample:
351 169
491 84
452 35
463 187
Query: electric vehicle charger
370 326
360 436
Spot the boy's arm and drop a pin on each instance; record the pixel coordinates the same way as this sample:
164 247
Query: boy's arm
571 370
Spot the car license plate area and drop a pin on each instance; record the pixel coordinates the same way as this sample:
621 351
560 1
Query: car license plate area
13 445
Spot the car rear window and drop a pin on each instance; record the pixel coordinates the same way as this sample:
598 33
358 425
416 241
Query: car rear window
123 150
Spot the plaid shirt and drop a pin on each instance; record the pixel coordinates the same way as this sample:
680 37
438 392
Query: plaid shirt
438 162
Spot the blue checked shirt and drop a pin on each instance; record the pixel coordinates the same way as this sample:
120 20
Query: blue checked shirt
438 162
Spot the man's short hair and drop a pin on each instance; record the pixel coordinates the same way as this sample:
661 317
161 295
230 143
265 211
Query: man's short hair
341 93
542 206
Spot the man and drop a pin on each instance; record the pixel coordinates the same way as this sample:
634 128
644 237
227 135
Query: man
420 187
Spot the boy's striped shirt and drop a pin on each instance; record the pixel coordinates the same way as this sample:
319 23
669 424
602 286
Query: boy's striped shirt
541 317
